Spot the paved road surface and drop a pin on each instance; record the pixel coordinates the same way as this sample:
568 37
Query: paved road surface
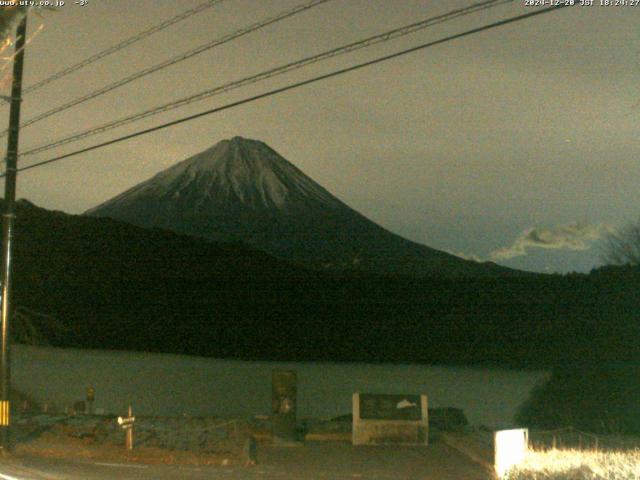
317 461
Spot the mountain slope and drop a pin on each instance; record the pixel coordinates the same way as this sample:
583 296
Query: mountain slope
242 190
102 283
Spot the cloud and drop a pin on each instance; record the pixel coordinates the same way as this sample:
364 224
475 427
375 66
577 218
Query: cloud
570 236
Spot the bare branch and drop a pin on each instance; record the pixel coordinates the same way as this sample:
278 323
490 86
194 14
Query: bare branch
623 246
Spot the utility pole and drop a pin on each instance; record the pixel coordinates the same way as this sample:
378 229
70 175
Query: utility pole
7 232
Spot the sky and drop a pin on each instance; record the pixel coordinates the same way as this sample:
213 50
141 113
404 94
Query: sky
516 145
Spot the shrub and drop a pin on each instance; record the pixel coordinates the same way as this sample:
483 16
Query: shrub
601 399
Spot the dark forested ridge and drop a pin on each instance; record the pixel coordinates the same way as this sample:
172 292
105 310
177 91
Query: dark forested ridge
113 285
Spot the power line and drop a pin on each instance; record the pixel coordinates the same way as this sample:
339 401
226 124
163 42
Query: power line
367 42
172 61
129 41
295 85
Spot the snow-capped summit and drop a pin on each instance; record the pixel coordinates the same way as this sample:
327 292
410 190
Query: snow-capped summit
242 190
237 172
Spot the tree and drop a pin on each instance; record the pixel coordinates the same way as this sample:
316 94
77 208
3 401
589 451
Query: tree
622 247
9 17
595 398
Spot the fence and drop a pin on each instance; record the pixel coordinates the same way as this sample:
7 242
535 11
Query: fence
200 435
568 437
203 435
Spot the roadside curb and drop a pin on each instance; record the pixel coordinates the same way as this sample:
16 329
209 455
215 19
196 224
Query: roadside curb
469 447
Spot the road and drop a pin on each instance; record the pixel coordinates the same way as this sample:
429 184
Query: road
318 461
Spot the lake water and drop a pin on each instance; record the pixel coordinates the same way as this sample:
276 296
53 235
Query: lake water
162 384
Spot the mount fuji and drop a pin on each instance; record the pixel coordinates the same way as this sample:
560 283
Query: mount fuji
241 190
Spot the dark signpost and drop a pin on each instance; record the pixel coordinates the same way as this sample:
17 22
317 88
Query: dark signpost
283 400
91 396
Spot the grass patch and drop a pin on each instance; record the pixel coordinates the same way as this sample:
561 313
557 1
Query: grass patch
578 465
